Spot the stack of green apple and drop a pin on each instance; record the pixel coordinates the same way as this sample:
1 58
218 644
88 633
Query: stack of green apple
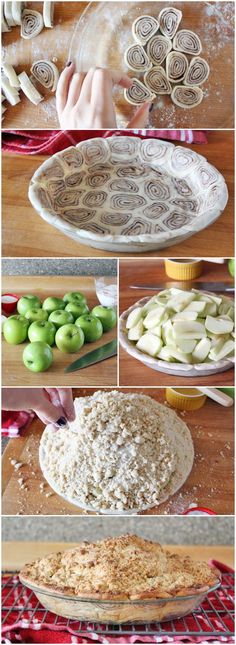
65 322
184 327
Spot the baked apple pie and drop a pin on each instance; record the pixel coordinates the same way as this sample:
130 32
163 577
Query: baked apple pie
119 580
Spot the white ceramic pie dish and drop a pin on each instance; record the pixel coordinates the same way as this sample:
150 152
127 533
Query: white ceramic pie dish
176 369
125 194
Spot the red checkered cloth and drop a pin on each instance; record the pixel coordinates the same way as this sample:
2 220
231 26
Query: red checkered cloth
29 626
48 142
14 422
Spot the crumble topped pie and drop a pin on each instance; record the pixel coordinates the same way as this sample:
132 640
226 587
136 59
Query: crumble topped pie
124 568
123 452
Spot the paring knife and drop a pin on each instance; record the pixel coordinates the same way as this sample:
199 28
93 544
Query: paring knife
95 356
186 286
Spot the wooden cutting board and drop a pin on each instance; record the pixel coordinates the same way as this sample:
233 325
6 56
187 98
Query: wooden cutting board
35 237
15 373
50 43
214 25
210 483
149 272
15 554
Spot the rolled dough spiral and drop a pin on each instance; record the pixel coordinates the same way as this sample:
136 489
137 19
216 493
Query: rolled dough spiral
169 20
188 42
176 66
156 81
46 73
186 97
197 72
136 58
144 28
157 49
32 23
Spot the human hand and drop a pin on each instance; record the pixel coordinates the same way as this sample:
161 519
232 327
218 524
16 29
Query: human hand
84 100
50 404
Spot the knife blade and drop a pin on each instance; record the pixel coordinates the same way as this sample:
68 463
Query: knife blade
205 286
95 356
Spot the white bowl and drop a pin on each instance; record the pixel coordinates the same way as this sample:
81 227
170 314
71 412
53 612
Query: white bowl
176 369
126 194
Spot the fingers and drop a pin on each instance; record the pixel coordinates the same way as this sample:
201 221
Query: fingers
67 403
141 117
47 411
76 84
63 87
121 79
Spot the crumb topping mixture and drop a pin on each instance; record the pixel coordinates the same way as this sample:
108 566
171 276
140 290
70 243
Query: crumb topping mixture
118 454
121 567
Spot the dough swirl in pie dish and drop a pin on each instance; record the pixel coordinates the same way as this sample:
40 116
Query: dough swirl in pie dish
123 453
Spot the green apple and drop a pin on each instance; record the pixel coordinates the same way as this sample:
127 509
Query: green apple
37 356
42 330
52 304
69 338
107 316
61 317
15 329
28 302
92 327
77 310
75 296
231 267
35 314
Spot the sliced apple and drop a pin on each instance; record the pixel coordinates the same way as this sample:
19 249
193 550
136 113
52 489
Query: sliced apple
219 325
136 332
181 301
183 327
149 344
154 317
134 317
185 315
178 355
196 305
186 346
221 350
201 350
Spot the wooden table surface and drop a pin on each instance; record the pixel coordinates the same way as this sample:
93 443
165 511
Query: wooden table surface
149 271
50 43
214 26
15 373
16 554
35 237
210 484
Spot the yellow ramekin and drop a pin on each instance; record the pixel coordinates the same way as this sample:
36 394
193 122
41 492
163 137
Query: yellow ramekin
179 270
183 400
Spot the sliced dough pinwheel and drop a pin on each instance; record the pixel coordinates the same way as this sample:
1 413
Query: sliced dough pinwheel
31 24
156 81
186 97
197 72
143 28
4 26
48 14
188 42
157 48
176 66
137 59
10 73
46 73
169 20
11 93
8 14
29 89
138 93
17 10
